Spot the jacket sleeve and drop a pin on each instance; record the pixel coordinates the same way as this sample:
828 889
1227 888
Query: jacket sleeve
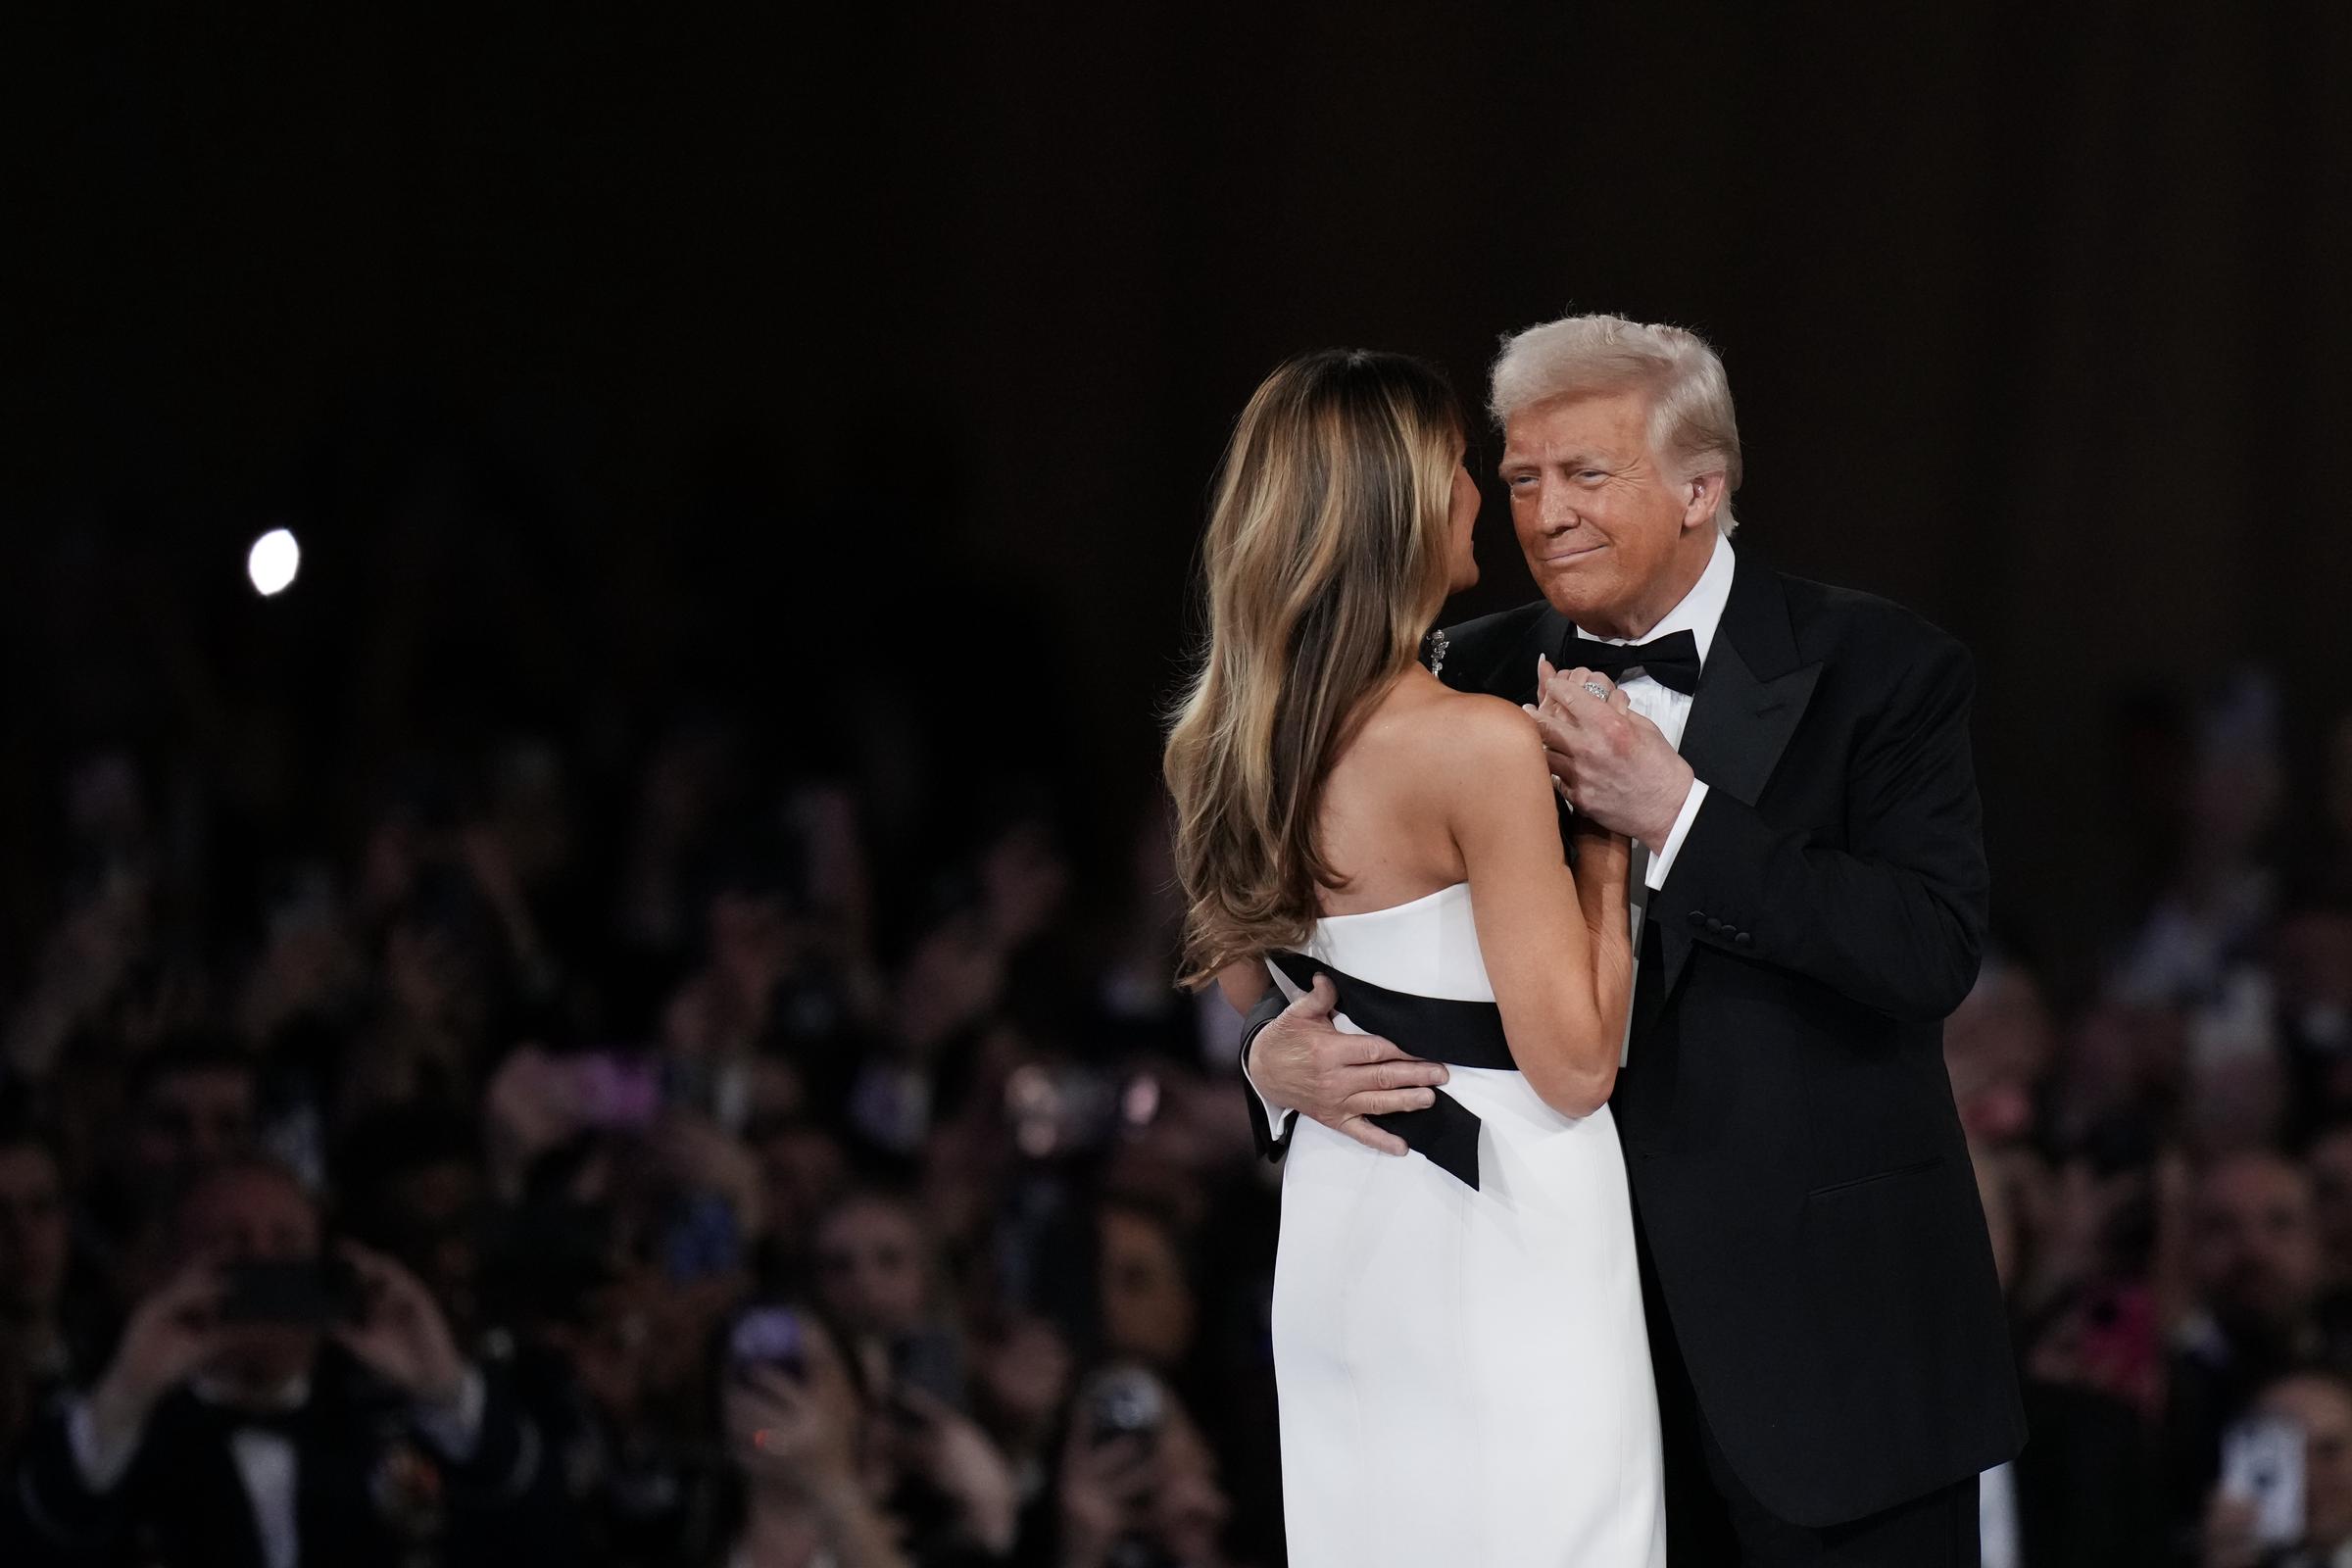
49 1513
509 1499
1894 919
505 1460
1270 1145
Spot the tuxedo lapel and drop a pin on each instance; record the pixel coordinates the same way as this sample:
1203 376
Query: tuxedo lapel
1750 700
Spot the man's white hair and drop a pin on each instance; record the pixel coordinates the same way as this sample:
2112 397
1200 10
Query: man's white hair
1691 420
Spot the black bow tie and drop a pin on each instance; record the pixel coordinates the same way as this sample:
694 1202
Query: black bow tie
1670 660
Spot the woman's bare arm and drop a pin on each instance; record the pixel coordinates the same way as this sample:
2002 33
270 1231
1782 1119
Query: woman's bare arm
1244 985
1557 948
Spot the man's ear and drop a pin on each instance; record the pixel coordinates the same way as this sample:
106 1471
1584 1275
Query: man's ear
1704 498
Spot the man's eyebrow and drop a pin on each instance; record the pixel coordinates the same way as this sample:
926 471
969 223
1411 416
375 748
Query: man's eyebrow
1574 459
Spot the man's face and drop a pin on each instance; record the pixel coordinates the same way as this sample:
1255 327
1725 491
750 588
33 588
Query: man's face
2254 1246
1148 1307
869 1267
1613 539
432 1210
32 1232
255 1216
1998 1048
193 1119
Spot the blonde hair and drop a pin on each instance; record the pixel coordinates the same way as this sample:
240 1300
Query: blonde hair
1325 562
1691 420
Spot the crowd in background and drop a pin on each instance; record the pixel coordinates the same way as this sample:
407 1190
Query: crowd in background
774 1199
673 1140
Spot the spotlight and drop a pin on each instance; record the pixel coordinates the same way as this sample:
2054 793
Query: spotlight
273 561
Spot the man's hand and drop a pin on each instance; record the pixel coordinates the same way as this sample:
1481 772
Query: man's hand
1612 764
172 1335
946 1447
402 1338
1302 1063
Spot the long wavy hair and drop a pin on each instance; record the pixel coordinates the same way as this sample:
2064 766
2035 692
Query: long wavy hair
1325 564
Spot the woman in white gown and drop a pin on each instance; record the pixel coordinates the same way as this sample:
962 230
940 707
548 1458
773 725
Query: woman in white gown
1460 1355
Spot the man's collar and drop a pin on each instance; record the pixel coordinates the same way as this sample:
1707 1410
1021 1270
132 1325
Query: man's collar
1700 611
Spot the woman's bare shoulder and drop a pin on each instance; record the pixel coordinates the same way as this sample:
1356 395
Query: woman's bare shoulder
1472 739
1491 724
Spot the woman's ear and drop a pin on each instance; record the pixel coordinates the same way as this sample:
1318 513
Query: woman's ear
1704 498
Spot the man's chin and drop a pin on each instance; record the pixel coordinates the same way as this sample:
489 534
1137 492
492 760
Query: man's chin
1578 595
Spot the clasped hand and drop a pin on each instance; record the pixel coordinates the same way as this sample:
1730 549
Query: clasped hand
1608 762
1303 1061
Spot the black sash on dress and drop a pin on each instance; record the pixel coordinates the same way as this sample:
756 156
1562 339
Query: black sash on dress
1460 1034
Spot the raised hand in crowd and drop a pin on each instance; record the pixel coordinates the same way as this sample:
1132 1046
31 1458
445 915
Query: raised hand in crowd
794 1433
946 1448
400 1332
1136 1482
172 1335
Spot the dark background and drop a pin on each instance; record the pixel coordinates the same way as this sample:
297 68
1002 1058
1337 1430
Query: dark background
917 332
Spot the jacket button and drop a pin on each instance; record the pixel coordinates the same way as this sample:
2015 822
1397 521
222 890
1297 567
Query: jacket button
1715 927
1698 917
1745 940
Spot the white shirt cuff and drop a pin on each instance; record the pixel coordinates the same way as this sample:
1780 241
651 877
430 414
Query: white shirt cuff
1661 861
1274 1112
100 1467
456 1428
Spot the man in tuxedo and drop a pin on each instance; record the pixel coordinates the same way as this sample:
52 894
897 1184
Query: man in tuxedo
251 1430
1833 1363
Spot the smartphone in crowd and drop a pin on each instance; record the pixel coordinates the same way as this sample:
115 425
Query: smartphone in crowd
295 1292
771 1336
928 1363
2261 1462
616 1090
1124 1401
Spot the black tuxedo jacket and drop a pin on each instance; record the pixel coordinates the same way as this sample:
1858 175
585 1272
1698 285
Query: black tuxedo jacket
369 1492
1796 1161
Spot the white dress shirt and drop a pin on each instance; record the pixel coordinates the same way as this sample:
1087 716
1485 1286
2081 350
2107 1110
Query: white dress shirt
1996 1517
1700 612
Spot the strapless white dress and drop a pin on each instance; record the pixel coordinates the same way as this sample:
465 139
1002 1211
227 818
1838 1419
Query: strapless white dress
1464 1372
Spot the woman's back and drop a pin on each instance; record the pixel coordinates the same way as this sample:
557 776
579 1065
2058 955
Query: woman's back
1383 823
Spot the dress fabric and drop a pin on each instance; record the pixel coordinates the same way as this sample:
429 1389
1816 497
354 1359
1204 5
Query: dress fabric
1463 1372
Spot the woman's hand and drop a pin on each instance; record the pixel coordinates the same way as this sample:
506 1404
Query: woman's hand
2228 1533
800 1434
1607 760
802 1430
1105 1489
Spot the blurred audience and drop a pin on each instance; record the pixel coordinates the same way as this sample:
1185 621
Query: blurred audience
253 1412
388 1188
